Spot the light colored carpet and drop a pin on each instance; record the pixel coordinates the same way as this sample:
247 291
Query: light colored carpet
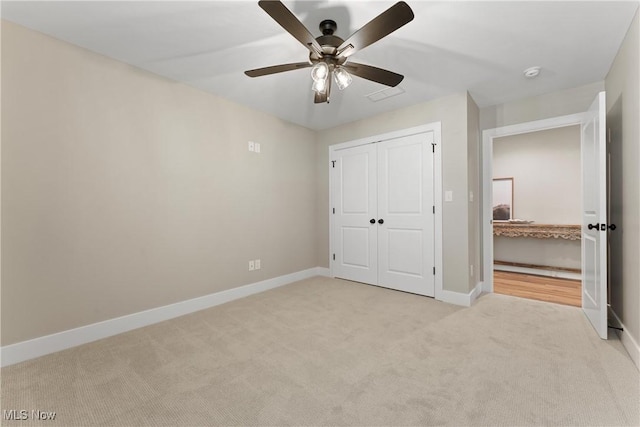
331 352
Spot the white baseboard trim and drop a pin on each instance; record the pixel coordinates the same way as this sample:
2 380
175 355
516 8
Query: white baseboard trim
30 349
475 293
458 298
485 287
538 272
628 342
323 271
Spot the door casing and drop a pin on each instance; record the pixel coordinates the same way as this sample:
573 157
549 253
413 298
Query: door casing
487 177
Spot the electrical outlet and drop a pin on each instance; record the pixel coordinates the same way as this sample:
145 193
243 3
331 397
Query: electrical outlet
471 196
252 265
257 264
257 147
471 270
252 146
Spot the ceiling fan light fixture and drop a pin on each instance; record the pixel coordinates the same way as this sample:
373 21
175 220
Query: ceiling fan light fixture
319 85
320 71
342 78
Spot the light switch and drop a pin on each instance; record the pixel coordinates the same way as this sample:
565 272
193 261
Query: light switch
257 147
471 196
448 196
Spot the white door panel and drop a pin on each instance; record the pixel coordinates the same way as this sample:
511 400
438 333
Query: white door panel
401 166
590 280
405 254
405 203
356 247
594 205
355 169
355 203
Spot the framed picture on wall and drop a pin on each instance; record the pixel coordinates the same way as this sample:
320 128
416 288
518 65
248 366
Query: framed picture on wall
502 199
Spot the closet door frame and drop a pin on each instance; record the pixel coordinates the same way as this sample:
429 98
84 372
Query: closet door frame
434 127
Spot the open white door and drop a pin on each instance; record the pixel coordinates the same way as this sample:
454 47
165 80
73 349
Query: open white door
594 215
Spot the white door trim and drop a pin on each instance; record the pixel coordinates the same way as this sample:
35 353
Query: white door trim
436 128
487 176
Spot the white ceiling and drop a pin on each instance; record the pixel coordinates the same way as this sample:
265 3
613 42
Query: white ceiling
449 47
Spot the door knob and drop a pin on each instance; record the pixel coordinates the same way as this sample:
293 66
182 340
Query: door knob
372 221
381 221
601 227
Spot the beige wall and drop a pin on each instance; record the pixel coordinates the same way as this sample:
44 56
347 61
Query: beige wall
623 113
123 191
452 112
560 103
545 167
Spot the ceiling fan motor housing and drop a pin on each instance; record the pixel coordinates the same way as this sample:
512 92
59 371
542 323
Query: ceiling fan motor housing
329 44
328 27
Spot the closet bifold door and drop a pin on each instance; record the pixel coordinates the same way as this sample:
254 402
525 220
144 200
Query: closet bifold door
405 204
354 188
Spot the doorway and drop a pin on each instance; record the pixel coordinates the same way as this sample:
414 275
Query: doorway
537 215
594 226
487 181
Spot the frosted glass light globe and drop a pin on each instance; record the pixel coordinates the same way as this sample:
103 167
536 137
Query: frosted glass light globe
319 71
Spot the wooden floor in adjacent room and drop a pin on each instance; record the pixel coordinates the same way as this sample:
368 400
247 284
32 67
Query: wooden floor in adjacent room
542 288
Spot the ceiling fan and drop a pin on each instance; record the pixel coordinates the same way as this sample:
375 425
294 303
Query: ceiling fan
329 54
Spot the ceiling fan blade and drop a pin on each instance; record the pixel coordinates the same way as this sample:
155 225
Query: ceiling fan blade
289 22
382 25
276 69
375 74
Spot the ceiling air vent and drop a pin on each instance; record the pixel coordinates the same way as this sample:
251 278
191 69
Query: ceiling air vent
385 93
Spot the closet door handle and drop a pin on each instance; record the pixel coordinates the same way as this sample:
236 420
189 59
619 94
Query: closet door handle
381 221
592 226
372 221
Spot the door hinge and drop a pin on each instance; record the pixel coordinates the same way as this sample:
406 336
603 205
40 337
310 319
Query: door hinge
334 257
333 163
433 147
434 209
434 271
334 211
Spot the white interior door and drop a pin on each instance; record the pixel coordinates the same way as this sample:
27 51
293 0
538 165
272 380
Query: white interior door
594 216
405 214
354 189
